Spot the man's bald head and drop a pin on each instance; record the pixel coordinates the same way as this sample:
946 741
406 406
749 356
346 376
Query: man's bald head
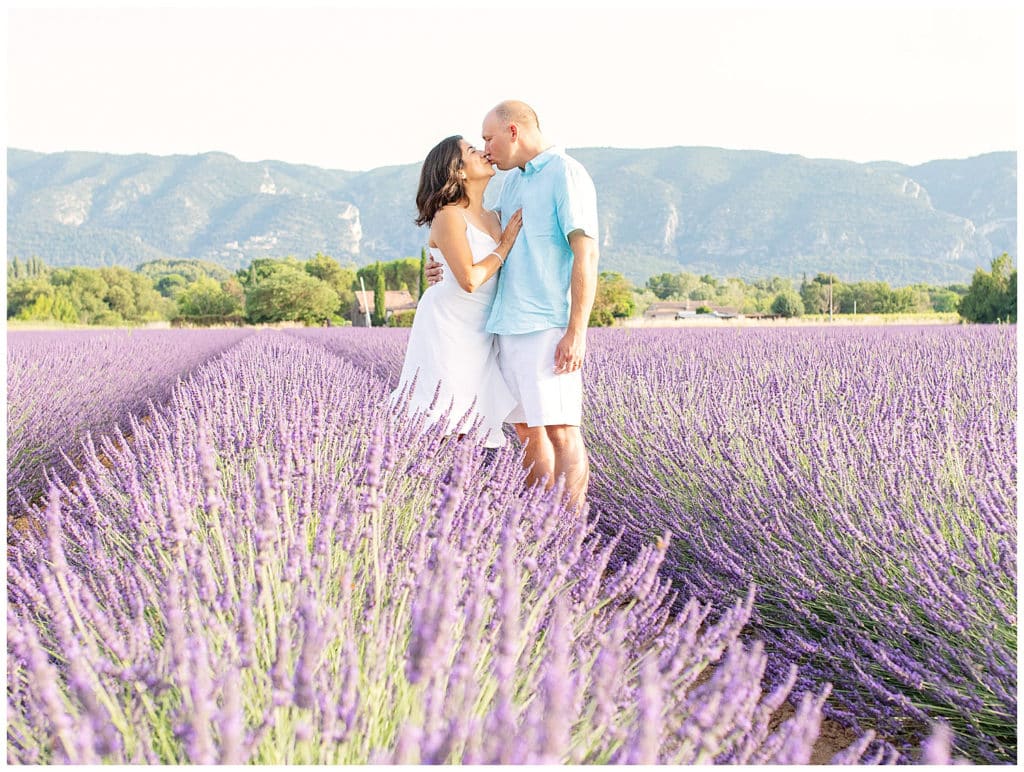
514 111
512 134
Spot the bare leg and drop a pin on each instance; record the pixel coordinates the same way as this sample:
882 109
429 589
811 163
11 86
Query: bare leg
570 460
538 455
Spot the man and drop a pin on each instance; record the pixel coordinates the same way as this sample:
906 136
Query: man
545 292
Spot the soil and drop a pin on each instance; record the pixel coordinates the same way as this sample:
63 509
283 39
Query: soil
833 738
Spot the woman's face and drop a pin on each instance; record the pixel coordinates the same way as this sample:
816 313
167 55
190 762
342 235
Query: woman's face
474 164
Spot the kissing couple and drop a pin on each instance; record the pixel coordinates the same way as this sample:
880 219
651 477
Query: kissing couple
502 327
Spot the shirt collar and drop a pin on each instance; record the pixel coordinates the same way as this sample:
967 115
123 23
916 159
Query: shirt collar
541 160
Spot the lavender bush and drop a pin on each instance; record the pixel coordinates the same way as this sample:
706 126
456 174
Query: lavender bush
276 570
820 463
64 385
379 352
864 479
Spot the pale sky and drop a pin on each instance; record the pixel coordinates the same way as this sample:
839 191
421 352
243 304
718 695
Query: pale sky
350 88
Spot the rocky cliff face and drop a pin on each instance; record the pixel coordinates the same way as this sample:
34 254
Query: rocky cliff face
705 210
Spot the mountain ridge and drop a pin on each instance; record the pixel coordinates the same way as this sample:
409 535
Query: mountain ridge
748 213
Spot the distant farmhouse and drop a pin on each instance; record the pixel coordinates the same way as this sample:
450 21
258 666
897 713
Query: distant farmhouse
687 309
394 300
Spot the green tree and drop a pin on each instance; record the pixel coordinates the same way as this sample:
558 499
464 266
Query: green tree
902 300
788 304
379 298
120 294
233 288
262 268
288 293
22 293
703 288
324 267
1011 298
170 285
341 279
732 292
398 274
36 267
402 318
88 290
821 294
120 300
665 285
423 272
992 296
189 270
402 274
613 300
52 305
944 300
762 292
207 298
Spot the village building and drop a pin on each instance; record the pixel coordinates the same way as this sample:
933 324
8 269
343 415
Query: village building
394 301
687 309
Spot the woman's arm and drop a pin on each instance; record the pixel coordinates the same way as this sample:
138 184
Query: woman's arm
448 231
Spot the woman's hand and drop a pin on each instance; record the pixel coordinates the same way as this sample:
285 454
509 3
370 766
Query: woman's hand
508 236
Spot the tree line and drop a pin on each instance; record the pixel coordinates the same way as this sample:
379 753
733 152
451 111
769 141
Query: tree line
991 296
321 290
822 294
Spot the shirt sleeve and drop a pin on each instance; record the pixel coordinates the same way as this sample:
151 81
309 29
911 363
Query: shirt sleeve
577 203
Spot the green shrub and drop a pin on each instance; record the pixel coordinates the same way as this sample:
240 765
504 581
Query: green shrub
402 318
788 304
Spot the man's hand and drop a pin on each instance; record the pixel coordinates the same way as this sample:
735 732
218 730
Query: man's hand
569 352
434 271
583 287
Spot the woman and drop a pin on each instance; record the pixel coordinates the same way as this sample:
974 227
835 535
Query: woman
450 353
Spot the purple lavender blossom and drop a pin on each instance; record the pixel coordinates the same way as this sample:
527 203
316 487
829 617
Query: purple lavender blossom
288 572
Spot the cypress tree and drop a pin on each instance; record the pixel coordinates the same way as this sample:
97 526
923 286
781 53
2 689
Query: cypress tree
379 302
423 271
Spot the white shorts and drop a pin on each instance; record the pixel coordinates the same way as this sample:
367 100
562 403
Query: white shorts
527 362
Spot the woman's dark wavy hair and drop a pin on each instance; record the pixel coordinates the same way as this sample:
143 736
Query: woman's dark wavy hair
439 179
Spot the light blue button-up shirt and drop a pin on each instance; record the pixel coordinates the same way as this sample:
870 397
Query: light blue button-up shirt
557 197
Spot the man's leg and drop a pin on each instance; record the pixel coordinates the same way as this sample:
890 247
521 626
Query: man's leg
570 460
538 454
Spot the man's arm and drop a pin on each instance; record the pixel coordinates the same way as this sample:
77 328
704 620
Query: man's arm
583 288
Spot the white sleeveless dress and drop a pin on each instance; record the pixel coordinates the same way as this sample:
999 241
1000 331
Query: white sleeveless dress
449 346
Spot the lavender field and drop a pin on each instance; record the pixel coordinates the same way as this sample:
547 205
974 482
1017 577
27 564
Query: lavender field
271 567
63 386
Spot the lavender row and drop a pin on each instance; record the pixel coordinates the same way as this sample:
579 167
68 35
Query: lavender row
377 351
63 386
277 570
739 429
863 479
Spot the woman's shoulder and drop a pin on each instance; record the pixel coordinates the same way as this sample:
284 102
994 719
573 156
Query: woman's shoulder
448 218
451 211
